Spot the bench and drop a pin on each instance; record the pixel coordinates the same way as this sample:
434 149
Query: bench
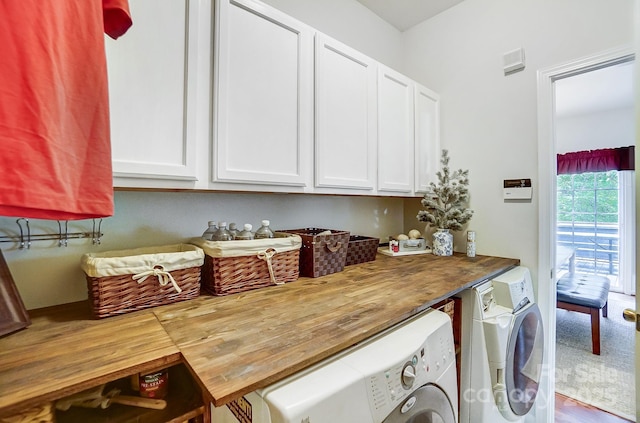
585 294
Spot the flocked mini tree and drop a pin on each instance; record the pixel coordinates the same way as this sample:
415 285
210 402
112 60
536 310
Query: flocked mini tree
445 203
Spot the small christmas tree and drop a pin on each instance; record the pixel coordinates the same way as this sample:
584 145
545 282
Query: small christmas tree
444 204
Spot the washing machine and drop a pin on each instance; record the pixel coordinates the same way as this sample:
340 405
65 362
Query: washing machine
502 349
406 374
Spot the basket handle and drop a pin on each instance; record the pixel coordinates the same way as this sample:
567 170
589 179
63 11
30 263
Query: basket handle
266 256
333 248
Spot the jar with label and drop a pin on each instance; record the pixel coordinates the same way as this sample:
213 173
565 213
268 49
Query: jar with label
154 385
222 234
471 244
264 231
210 230
246 233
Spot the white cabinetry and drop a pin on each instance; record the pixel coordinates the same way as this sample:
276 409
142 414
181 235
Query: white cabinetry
395 132
345 118
263 96
152 88
427 137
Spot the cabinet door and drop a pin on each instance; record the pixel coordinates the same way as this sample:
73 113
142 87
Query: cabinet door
263 96
395 132
345 116
152 93
427 133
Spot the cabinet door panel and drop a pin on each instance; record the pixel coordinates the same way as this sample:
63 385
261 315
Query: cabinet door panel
345 116
263 93
427 118
150 93
395 132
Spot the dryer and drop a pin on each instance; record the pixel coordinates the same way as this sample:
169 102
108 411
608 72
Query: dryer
406 374
503 346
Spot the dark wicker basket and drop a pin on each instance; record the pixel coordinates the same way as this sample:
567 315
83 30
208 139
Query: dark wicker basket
321 255
361 249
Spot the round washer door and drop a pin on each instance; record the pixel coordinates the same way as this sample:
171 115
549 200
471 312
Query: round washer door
427 404
524 359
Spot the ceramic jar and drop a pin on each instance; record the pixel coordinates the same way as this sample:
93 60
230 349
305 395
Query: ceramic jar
442 243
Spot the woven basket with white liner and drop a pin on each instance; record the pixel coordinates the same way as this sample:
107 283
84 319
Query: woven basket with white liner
129 280
236 266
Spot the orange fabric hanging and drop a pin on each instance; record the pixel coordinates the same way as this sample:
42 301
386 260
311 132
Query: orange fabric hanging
55 149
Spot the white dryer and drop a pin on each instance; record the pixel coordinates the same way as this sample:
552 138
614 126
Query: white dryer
407 374
502 349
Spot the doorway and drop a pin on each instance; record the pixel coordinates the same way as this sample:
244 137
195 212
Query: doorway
552 134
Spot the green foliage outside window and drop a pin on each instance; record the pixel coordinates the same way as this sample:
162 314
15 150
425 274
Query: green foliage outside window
588 197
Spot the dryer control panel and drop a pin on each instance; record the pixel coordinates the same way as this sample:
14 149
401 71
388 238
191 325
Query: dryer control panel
512 287
404 360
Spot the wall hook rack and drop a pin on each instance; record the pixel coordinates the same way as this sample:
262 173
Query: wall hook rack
25 237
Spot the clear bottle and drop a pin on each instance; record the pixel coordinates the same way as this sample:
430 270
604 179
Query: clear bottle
210 230
264 231
246 233
222 234
233 230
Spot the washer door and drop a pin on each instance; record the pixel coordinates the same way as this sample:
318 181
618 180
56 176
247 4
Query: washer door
524 359
427 404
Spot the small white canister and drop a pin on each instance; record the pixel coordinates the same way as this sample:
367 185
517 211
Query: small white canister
471 243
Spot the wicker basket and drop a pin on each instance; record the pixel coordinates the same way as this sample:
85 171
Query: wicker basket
43 413
129 280
322 254
237 266
361 249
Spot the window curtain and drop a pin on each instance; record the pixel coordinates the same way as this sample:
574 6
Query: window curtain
622 158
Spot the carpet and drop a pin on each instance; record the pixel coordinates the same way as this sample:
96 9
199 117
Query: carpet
605 381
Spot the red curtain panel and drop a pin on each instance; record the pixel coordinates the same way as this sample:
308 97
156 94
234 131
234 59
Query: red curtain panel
603 160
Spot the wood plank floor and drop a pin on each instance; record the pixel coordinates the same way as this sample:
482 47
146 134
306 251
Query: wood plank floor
569 410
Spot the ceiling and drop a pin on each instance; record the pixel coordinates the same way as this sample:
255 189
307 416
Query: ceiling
403 14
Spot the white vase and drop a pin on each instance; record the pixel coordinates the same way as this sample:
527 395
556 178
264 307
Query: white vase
442 243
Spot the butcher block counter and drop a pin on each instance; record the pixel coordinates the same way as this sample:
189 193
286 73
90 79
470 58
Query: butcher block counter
235 344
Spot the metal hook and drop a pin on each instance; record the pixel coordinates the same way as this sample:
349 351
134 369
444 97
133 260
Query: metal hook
63 239
24 244
96 235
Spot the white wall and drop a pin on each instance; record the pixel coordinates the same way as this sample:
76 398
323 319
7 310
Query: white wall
593 131
488 120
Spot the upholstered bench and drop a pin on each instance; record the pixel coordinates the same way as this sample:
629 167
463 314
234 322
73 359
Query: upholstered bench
585 294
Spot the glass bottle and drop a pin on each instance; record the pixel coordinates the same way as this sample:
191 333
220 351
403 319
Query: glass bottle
246 233
222 234
264 231
210 230
233 230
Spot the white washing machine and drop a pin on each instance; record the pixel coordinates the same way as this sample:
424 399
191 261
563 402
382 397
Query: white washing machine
502 349
407 374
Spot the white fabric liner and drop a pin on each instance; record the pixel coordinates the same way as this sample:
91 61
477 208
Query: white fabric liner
140 260
283 242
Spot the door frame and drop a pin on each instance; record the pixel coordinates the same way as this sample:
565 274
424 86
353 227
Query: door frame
547 204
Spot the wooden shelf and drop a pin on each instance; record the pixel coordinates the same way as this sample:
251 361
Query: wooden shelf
184 402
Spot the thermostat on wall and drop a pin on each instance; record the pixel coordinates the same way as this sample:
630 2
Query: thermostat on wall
517 189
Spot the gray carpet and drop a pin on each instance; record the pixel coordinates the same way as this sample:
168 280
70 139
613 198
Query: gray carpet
605 381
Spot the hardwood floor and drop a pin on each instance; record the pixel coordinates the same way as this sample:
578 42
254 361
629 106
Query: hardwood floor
569 410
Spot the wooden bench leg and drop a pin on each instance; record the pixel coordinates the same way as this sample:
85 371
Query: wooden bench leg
595 330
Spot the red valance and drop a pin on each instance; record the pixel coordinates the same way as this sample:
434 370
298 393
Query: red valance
603 160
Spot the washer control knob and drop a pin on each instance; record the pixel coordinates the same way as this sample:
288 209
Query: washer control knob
408 376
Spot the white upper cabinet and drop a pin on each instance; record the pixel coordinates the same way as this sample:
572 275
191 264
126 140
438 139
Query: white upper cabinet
345 116
427 134
395 132
263 96
152 95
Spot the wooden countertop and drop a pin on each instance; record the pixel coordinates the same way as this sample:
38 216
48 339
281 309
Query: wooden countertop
234 344
66 351
243 342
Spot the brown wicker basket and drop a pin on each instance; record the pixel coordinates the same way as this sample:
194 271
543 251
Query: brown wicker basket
142 278
361 249
322 254
43 413
239 273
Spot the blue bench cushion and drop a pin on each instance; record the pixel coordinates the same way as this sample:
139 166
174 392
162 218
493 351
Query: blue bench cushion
586 290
